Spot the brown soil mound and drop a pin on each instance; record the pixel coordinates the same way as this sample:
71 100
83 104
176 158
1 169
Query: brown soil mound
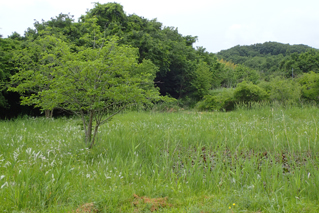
87 208
155 203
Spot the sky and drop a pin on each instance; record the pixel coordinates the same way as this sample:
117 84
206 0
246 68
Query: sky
218 24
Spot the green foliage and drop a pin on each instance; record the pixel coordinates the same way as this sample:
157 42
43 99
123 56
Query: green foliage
282 90
227 76
267 48
248 92
36 62
170 51
7 67
310 86
297 64
181 71
223 100
243 73
232 74
216 68
266 58
109 16
201 80
97 83
101 77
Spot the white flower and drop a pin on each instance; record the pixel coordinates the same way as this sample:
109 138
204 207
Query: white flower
1 177
233 180
5 184
251 187
28 151
7 164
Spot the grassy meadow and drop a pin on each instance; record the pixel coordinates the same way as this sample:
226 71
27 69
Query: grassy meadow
258 160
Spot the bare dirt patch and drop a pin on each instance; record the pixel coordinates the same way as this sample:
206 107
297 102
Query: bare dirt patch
153 203
87 208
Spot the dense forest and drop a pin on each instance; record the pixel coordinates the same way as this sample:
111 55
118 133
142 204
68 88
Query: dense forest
191 75
265 57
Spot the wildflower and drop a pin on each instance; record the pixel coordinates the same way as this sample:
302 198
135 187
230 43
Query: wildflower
234 204
5 184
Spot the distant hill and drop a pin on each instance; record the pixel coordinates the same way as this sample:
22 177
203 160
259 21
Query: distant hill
264 57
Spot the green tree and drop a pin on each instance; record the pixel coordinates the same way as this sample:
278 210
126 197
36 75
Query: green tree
202 79
243 73
97 83
297 64
228 74
36 63
7 67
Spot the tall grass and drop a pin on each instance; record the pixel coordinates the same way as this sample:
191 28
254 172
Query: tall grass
262 159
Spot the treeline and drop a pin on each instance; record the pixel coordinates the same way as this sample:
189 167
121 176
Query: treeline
183 72
273 58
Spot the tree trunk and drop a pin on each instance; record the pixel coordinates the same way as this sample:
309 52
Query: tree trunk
48 113
94 135
88 133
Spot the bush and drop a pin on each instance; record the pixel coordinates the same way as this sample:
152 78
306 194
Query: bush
248 92
310 86
244 73
167 105
282 90
221 101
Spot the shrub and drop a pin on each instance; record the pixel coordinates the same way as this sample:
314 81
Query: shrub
309 83
248 92
224 100
282 90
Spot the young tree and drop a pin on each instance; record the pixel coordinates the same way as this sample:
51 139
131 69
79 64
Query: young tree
97 83
201 80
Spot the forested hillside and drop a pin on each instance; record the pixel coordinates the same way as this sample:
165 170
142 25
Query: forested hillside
182 71
267 57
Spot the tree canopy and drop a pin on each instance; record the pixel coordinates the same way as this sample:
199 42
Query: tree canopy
32 63
266 57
